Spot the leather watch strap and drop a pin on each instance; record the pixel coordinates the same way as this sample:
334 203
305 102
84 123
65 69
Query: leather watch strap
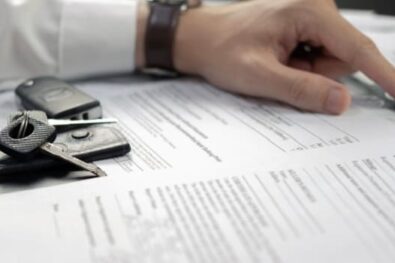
162 24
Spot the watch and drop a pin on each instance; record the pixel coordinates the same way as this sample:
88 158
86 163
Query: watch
161 29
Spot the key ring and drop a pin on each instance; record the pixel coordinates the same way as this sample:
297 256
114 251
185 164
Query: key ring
23 127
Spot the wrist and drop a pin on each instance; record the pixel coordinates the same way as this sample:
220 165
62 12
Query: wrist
142 18
184 42
191 34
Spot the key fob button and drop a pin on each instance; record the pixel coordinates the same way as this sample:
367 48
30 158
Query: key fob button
80 134
29 83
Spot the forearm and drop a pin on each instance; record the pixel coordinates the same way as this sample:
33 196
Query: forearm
68 39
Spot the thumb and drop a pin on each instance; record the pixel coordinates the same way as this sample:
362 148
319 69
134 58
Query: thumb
308 91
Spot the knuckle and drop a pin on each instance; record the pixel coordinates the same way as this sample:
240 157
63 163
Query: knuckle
292 7
330 2
367 44
302 8
364 46
303 12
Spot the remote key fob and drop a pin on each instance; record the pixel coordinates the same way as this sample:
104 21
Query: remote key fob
58 99
89 144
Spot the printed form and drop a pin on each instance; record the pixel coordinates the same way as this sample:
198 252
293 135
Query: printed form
215 177
326 211
190 124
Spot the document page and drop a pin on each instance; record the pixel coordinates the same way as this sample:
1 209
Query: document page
336 210
216 177
188 124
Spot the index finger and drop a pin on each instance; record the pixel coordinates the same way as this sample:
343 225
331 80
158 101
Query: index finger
351 46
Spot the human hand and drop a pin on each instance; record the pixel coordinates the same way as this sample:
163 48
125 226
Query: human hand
248 48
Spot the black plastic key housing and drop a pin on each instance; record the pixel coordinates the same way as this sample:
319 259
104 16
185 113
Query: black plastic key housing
38 133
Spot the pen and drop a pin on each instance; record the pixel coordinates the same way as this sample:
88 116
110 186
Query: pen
308 52
373 89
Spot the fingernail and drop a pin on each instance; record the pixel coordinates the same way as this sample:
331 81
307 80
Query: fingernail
335 102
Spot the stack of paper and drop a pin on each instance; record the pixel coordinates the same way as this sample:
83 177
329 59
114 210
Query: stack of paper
215 177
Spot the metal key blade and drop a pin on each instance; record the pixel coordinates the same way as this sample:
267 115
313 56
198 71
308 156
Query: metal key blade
56 122
52 150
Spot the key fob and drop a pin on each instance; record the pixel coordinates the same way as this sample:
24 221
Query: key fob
38 115
38 132
58 99
89 144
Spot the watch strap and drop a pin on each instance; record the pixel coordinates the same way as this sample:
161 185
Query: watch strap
161 28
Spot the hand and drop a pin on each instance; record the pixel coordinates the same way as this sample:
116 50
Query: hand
248 48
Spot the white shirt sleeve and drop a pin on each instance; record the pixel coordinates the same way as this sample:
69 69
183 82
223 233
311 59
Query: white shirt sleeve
66 38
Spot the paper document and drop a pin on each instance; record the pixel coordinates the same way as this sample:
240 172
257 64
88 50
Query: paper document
188 124
338 210
215 177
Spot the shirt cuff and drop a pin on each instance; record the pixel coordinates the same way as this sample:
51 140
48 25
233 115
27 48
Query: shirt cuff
97 37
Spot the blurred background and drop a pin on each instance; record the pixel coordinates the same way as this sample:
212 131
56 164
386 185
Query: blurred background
381 6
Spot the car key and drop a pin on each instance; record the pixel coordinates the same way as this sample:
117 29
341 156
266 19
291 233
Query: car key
58 99
37 137
89 144
57 123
